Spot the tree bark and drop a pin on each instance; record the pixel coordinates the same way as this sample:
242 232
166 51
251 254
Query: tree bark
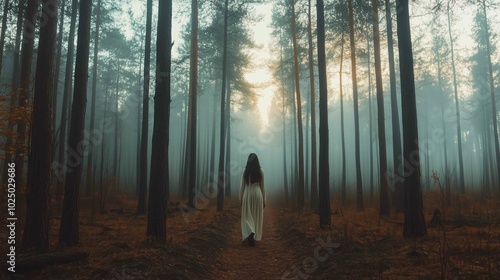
58 65
343 186
492 91
359 189
228 138
193 98
457 109
221 174
69 231
117 130
396 133
314 168
414 222
324 169
143 175
36 229
300 183
25 85
384 186
285 175
89 189
370 118
68 80
158 187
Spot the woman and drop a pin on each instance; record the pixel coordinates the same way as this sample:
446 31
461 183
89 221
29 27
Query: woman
253 200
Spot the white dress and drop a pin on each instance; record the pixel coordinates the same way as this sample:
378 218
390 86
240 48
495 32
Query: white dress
252 198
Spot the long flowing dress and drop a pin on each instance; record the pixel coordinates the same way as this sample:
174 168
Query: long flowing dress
252 198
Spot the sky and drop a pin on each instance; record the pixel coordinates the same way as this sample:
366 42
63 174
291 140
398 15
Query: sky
259 73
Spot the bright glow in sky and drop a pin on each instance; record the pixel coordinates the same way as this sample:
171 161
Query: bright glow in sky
260 75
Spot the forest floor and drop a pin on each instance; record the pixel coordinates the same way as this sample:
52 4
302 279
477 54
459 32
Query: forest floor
206 244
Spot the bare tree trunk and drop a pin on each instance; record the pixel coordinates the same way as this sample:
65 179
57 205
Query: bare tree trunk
221 174
68 80
212 142
396 133
90 184
370 118
36 229
445 148
228 138
384 186
314 168
492 91
25 86
143 176
158 187
414 222
359 196
300 183
459 129
117 128
58 66
285 175
344 170
69 231
193 96
324 169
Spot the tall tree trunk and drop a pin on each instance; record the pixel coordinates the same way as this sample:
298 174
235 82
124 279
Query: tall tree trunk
228 138
68 79
359 189
58 65
25 86
143 176
492 91
90 184
384 186
314 168
187 146
324 169
221 174
212 143
445 148
69 232
36 229
300 183
459 129
193 96
285 175
15 84
158 187
117 128
485 148
414 222
344 169
101 177
2 32
294 155
370 118
397 182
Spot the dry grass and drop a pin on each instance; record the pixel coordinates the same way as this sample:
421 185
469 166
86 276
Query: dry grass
466 245
118 248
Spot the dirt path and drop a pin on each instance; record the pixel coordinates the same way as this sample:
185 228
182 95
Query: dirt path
269 259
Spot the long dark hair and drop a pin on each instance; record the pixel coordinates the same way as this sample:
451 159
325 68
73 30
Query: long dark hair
252 170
